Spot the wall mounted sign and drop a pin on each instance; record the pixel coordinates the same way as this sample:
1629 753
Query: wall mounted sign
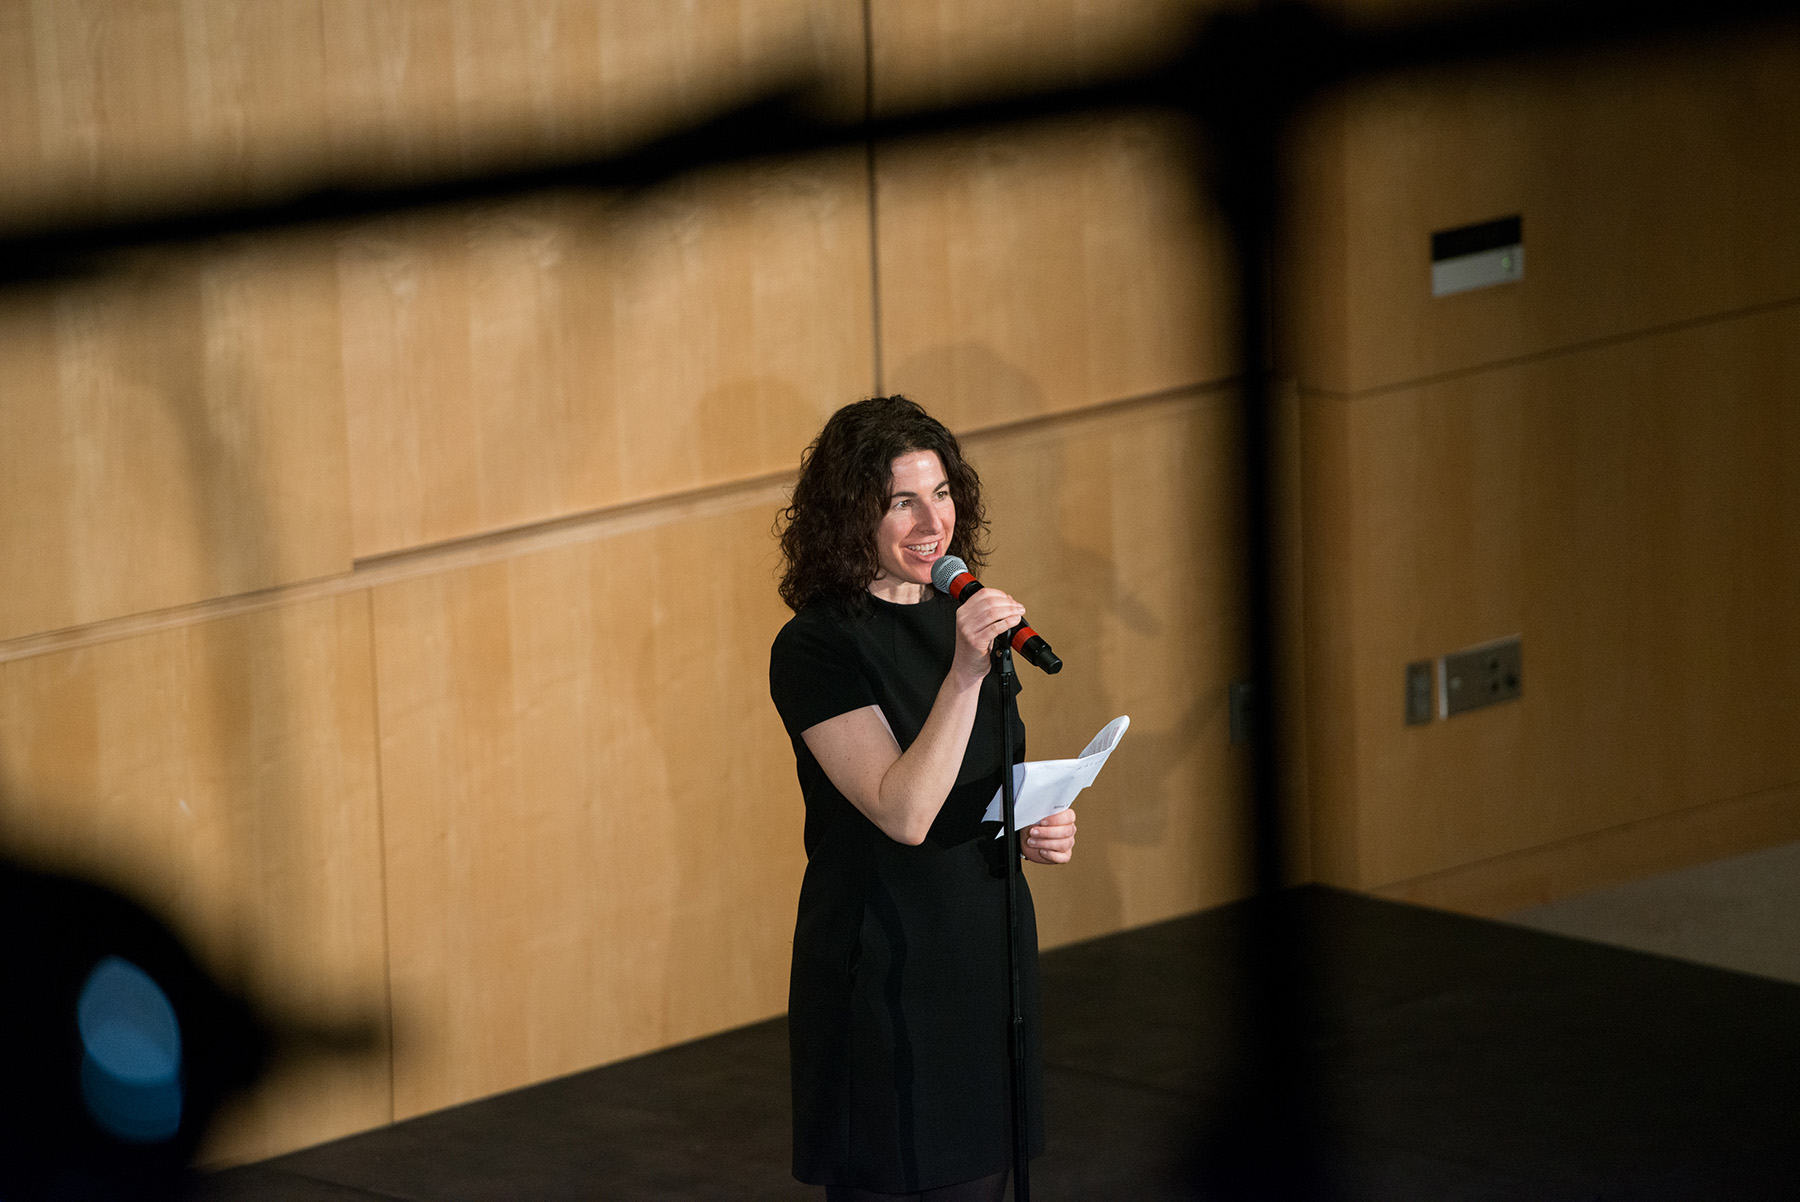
1478 256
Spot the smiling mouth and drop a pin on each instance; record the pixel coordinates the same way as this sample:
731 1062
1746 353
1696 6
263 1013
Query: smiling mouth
922 548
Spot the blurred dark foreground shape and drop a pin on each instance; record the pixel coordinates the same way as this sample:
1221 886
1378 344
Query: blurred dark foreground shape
116 1047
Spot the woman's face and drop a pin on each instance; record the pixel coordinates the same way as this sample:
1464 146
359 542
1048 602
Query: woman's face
916 528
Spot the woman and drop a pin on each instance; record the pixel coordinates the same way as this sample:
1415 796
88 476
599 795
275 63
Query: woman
897 1005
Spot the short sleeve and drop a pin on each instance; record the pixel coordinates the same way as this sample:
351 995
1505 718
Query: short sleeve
815 674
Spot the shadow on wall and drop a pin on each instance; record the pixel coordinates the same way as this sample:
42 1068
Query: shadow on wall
1060 548
941 376
712 924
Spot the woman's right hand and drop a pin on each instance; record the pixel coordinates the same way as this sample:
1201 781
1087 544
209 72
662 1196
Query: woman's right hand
981 620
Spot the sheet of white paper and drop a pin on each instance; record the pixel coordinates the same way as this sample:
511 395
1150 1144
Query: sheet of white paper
1045 787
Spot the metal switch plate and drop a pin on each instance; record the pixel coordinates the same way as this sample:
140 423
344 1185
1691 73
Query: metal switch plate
1418 692
1481 675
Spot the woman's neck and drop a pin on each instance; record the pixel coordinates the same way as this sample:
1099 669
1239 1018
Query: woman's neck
899 592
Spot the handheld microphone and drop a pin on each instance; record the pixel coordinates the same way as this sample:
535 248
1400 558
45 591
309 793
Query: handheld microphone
951 575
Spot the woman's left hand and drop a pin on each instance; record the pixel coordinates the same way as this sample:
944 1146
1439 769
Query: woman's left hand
1051 841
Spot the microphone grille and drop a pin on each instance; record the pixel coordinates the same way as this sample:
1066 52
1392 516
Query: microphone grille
946 569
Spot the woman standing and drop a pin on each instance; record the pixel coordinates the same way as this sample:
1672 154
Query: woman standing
897 1005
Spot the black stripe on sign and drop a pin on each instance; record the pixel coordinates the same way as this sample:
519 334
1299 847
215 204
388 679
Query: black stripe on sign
1473 239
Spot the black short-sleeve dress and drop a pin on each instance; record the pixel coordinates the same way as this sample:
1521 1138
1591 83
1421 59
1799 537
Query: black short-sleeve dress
897 1003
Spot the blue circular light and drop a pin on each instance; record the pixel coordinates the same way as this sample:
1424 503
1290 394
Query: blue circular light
131 1073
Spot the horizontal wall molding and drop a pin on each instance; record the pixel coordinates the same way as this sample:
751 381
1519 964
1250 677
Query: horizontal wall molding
1612 856
769 489
1101 412
1555 352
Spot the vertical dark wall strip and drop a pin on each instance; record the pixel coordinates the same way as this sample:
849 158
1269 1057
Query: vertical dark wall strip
874 224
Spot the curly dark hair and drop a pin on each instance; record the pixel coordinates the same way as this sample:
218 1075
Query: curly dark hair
828 532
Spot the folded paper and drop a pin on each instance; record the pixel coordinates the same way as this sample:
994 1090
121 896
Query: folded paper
1045 787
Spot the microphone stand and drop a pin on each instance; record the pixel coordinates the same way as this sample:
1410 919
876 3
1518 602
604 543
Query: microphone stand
1021 1150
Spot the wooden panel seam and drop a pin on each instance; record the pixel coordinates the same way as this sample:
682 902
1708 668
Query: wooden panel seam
1557 352
769 488
387 925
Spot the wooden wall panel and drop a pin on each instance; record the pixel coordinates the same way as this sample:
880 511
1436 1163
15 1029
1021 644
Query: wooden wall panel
112 104
1044 270
175 432
932 51
19 133
107 98
545 358
424 84
123 102
743 305
224 773
1655 188
1610 856
1032 273
592 824
550 358
1634 511
1123 533
1332 610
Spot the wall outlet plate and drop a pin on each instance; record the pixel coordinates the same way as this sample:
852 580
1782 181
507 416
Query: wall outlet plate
1481 675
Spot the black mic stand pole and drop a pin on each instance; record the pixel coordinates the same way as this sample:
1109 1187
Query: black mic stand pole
1021 1149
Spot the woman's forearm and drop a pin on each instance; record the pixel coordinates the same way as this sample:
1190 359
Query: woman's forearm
915 786
900 792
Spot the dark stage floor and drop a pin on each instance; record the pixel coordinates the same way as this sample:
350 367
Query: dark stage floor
1451 1059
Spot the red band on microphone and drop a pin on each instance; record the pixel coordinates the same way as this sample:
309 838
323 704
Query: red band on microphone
959 585
1020 635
